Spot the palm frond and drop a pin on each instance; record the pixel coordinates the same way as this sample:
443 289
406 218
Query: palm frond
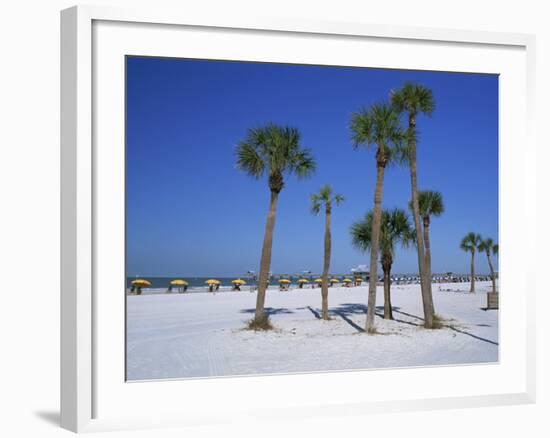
249 159
470 242
315 204
274 150
395 228
413 99
325 197
379 126
485 245
302 163
430 203
361 128
361 233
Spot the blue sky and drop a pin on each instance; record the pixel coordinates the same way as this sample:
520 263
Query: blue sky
190 212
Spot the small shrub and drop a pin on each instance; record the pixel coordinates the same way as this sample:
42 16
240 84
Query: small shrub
263 323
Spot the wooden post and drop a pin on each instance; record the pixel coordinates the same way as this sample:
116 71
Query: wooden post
492 300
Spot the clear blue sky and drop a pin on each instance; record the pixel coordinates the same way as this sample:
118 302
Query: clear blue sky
190 212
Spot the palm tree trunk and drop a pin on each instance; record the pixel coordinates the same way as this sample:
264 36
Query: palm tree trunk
326 266
375 237
265 261
386 267
428 254
493 280
473 273
427 299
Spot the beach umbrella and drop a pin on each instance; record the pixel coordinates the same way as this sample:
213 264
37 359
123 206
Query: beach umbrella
301 282
284 282
318 280
334 280
238 283
179 283
213 283
138 283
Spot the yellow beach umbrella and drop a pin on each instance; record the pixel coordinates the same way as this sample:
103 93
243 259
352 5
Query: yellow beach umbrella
303 280
140 282
179 282
347 280
212 282
284 280
334 280
318 280
239 282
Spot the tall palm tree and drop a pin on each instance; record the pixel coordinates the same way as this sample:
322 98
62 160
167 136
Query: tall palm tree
325 197
394 228
274 151
430 204
414 99
486 246
377 126
469 243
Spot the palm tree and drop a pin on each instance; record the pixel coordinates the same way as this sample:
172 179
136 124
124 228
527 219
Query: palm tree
429 204
414 99
274 151
394 228
486 246
377 126
469 243
325 197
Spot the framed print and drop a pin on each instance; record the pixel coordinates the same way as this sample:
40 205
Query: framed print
322 212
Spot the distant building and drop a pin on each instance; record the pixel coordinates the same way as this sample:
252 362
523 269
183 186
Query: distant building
360 271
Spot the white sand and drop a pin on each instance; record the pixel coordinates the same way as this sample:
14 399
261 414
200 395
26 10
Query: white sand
200 334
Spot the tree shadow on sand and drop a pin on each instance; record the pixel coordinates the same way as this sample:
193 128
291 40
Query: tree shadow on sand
346 310
456 329
343 312
269 311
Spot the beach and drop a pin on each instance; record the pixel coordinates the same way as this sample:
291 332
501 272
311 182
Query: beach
202 334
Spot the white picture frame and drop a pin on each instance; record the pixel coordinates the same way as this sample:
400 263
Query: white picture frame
85 380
